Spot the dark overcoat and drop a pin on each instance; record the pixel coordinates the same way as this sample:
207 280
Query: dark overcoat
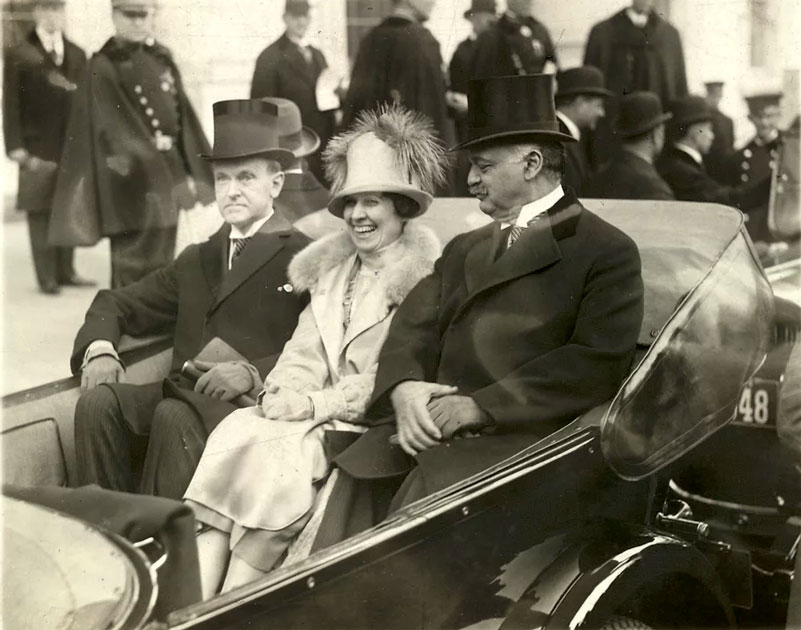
399 61
690 182
628 176
197 299
720 153
512 45
114 179
301 195
282 72
37 97
537 337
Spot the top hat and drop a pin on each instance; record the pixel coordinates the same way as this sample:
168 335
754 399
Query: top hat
506 107
715 83
481 6
292 135
758 101
297 7
581 81
690 110
389 150
145 5
246 128
638 113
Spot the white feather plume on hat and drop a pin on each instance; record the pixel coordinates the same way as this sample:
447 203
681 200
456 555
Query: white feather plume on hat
390 149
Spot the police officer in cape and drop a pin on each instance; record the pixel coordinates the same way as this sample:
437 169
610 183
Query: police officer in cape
131 158
40 76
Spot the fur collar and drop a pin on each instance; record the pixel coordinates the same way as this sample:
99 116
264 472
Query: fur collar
420 249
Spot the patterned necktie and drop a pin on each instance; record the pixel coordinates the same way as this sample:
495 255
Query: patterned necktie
238 244
517 230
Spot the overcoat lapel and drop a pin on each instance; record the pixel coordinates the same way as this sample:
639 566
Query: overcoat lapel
296 60
481 256
212 259
262 247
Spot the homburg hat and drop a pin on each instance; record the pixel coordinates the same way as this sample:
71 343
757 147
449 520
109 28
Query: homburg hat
581 81
689 110
481 6
292 135
638 113
391 149
297 7
513 106
247 128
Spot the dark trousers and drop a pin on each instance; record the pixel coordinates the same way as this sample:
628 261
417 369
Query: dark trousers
111 455
136 254
53 265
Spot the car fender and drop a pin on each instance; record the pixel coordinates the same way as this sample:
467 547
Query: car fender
595 578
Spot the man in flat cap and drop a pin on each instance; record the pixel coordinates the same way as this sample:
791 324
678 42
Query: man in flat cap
525 323
631 174
290 68
580 100
229 305
720 153
681 165
40 76
517 43
131 159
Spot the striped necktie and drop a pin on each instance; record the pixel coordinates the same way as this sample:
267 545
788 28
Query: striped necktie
238 244
516 231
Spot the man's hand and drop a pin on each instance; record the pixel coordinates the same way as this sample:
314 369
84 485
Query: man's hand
223 381
20 156
285 404
457 414
416 430
102 369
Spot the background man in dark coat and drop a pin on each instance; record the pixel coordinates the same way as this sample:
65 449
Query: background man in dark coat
580 100
40 77
631 174
519 329
720 153
130 161
226 300
681 165
516 44
399 61
757 159
290 68
636 49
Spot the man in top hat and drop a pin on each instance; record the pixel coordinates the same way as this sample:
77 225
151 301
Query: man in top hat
720 153
40 76
399 61
580 100
290 68
302 193
630 174
757 159
516 43
228 303
131 158
525 323
681 165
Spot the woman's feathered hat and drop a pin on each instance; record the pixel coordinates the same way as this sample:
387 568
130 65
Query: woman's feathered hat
390 149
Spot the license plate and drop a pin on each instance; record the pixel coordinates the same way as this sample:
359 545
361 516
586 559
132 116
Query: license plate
758 403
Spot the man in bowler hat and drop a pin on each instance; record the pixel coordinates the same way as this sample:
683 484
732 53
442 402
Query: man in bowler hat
681 165
580 100
631 174
228 303
40 76
525 323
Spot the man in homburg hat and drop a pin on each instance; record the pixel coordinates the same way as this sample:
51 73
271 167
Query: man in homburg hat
131 158
228 303
40 76
720 153
525 323
631 174
681 165
757 159
290 68
580 100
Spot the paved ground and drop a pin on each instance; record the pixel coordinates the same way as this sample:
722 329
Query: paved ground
38 329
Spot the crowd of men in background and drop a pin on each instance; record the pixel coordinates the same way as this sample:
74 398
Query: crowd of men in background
110 148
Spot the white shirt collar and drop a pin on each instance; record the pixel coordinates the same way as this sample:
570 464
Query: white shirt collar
571 126
693 153
638 19
537 207
297 171
51 41
237 233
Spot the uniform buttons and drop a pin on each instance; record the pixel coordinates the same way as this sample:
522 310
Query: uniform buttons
654 333
143 100
165 86
157 133
138 89
149 111
155 122
772 164
773 153
744 177
747 153
745 166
